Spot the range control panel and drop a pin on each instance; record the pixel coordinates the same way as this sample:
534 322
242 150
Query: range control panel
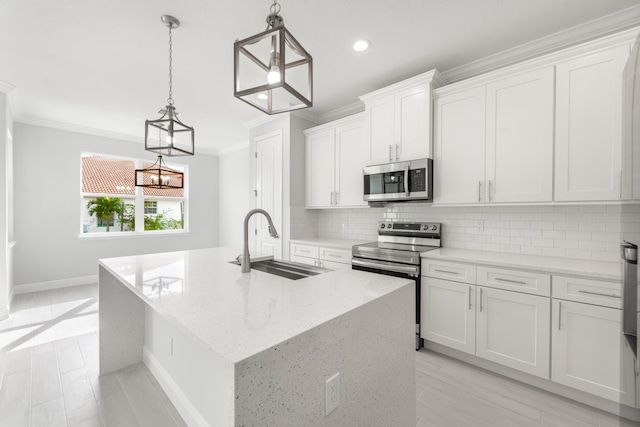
409 228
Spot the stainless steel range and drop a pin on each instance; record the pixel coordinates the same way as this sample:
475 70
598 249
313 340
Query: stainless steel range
397 253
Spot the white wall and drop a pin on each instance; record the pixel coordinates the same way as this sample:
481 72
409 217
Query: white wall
47 199
5 206
234 195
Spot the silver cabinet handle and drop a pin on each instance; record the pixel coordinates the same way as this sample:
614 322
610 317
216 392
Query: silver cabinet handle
559 314
479 191
304 251
397 157
337 198
469 297
445 271
390 156
519 282
599 294
333 255
490 184
480 300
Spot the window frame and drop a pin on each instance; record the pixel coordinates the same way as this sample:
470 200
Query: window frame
138 198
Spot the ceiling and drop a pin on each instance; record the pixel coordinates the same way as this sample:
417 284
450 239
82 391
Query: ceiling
103 65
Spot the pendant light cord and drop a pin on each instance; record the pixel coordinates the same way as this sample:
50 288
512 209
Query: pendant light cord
170 99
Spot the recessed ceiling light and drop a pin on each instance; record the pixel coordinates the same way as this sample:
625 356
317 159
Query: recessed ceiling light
262 96
361 45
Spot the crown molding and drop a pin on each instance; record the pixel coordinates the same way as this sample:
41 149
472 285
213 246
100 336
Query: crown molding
338 113
78 129
306 114
610 24
262 120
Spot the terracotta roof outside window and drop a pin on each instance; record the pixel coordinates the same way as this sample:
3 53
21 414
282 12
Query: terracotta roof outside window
105 175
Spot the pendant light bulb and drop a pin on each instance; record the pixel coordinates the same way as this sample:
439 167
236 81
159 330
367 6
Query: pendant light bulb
274 75
274 69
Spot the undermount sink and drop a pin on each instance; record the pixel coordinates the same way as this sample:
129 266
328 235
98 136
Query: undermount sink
288 269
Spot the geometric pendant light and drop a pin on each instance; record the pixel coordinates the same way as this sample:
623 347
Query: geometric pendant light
272 71
160 176
168 136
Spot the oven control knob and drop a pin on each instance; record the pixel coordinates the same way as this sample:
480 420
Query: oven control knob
434 227
388 225
381 225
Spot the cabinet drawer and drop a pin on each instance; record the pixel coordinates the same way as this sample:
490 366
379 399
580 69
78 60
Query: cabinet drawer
464 273
514 280
336 255
606 294
304 250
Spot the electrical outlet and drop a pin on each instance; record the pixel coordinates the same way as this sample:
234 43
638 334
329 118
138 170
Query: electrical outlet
332 393
480 225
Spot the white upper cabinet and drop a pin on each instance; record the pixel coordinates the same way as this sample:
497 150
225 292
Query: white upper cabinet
494 142
335 156
589 126
519 156
320 168
459 147
398 120
350 159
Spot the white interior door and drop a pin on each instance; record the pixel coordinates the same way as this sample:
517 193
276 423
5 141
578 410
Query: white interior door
268 157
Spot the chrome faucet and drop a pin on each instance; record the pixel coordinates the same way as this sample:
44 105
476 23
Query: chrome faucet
246 259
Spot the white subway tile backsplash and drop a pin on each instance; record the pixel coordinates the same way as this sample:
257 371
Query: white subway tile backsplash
554 252
571 231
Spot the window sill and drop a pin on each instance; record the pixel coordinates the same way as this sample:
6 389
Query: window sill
132 235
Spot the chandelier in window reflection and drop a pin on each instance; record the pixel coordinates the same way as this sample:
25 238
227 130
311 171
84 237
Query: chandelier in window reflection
159 176
272 71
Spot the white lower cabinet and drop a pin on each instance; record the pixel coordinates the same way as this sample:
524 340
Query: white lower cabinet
447 314
589 352
513 329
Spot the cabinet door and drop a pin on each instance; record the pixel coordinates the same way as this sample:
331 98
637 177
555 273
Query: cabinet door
589 126
459 149
380 130
413 123
513 329
320 165
447 313
350 159
519 153
589 352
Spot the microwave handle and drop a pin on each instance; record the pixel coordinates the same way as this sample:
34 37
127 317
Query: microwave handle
406 180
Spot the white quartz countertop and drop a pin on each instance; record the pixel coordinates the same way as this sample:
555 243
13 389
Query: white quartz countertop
239 315
329 242
568 266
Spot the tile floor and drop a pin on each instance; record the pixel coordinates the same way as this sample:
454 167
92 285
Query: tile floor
49 377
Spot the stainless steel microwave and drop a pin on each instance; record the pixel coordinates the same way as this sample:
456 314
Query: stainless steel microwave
399 182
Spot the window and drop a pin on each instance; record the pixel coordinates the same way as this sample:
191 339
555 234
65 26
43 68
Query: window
111 203
150 206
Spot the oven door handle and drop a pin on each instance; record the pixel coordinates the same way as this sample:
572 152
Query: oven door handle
406 179
386 266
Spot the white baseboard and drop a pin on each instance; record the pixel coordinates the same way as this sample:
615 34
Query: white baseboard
189 413
54 284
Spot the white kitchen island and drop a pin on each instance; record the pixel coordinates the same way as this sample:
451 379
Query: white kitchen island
256 349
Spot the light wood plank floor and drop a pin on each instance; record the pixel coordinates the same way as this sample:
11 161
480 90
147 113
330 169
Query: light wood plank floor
49 377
